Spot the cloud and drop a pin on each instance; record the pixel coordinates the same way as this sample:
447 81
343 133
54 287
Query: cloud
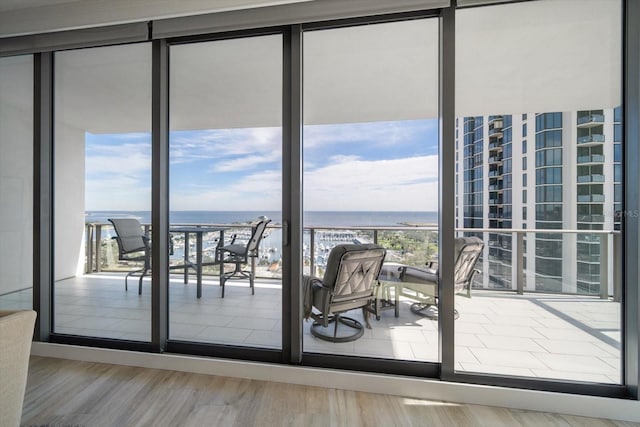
341 158
400 184
367 166
224 144
257 191
247 162
376 133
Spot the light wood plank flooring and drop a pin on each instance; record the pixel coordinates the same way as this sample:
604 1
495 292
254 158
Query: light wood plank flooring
71 393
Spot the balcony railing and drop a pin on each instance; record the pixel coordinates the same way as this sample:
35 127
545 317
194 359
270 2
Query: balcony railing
590 178
593 158
590 139
590 120
395 239
587 198
610 250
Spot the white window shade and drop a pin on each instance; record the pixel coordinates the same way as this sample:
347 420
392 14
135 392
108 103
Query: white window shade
559 55
372 73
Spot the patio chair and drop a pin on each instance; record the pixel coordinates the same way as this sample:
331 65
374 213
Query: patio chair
133 245
349 282
240 254
422 284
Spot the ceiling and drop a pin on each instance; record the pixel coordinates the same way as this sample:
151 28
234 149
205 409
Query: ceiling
6 5
520 58
23 17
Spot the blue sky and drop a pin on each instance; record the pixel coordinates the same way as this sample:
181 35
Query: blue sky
355 166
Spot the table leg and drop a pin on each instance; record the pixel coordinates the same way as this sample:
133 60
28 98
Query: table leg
186 258
396 291
221 243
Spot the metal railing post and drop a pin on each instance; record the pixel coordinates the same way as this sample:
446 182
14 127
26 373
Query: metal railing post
98 255
517 264
604 266
617 267
88 249
312 252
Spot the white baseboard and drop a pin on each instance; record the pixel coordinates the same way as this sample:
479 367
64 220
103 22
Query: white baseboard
570 404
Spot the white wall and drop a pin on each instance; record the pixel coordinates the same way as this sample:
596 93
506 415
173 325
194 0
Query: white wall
16 173
69 201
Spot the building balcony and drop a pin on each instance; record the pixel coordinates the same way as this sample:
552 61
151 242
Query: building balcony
588 198
593 158
495 146
590 121
584 179
590 218
495 159
95 304
495 130
591 139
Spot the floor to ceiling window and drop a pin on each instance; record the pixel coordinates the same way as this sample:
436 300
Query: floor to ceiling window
102 167
538 179
226 177
16 181
538 112
370 174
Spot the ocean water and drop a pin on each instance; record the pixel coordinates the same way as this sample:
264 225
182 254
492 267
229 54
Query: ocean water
311 218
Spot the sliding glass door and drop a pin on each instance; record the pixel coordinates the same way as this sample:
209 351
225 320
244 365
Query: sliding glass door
16 182
225 183
102 163
370 174
539 146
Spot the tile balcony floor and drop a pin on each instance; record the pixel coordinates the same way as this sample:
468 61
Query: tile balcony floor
564 337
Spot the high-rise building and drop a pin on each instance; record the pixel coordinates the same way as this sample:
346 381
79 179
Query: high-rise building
540 171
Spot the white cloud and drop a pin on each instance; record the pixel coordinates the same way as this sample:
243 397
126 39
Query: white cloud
246 162
379 133
401 184
220 144
118 159
259 191
340 158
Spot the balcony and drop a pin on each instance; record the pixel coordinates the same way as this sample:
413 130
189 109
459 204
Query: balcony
587 198
590 120
590 178
590 139
495 159
590 218
507 326
593 158
495 129
495 146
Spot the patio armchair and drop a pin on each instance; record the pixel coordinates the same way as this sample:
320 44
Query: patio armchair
349 282
421 285
133 245
240 254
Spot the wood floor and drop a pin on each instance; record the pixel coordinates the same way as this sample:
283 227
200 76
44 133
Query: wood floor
69 393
